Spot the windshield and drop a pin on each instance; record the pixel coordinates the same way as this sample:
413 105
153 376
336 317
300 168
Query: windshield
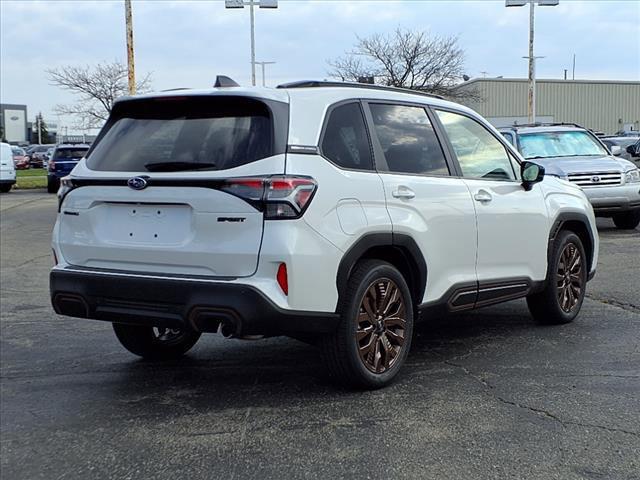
559 144
17 151
185 134
70 153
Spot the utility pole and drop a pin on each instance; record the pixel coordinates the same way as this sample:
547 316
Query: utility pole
39 127
262 64
251 4
531 104
573 76
130 60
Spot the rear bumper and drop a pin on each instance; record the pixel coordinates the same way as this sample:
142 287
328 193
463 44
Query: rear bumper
177 303
7 181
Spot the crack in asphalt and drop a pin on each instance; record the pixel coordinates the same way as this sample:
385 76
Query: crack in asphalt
538 411
630 307
47 255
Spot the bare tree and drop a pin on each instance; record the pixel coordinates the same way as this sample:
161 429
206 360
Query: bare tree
97 88
408 59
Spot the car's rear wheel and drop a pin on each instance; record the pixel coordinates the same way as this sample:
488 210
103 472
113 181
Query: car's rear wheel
53 184
155 343
5 188
627 220
561 299
373 338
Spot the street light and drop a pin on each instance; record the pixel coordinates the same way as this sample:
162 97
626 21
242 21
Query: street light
531 57
262 64
251 4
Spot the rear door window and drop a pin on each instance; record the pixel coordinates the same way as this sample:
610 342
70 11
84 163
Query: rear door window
185 133
345 141
408 140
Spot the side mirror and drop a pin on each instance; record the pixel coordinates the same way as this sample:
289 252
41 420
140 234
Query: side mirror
616 150
531 173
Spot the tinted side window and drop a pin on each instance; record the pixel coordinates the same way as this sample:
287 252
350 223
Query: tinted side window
479 153
345 140
407 139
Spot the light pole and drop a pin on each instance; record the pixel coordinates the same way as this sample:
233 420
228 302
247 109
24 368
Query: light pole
532 59
130 62
262 64
251 4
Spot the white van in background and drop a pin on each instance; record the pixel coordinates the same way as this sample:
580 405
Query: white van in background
7 169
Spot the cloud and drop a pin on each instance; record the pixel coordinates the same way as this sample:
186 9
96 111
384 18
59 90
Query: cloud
187 43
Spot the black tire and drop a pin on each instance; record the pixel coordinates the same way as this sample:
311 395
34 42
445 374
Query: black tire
53 184
564 290
153 343
4 188
627 220
385 342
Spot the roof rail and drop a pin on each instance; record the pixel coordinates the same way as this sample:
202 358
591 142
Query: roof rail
549 124
369 86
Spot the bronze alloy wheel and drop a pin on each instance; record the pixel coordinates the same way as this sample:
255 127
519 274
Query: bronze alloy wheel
569 278
381 324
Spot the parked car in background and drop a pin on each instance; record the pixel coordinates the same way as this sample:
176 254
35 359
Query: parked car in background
63 159
7 168
308 211
37 155
571 152
624 143
47 157
20 160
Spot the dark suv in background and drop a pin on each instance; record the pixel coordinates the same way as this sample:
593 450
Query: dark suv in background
62 161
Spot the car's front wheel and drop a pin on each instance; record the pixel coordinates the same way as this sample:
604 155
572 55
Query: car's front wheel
154 343
627 220
373 338
561 299
5 187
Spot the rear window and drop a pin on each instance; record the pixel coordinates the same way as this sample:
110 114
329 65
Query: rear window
70 153
184 133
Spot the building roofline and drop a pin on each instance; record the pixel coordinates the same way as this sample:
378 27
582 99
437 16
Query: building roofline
547 80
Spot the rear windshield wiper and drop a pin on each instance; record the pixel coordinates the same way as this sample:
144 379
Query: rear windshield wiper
177 166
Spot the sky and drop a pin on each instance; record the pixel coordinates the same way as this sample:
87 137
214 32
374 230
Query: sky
187 43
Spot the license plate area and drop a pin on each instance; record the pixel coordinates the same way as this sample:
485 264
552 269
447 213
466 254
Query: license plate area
150 224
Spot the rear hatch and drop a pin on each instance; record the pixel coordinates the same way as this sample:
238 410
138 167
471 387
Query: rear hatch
161 189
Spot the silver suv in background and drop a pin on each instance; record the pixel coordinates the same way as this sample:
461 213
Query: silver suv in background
573 153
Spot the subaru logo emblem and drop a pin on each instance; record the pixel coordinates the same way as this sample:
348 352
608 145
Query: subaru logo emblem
137 183
595 179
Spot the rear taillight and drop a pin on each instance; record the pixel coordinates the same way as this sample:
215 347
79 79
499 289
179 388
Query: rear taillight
279 197
66 185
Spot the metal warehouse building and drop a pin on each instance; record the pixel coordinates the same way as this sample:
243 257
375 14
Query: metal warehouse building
601 105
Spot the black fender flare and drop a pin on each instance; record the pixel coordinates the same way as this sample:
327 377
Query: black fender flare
561 220
398 242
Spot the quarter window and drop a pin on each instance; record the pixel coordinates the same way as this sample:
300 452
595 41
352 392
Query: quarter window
345 141
408 140
479 153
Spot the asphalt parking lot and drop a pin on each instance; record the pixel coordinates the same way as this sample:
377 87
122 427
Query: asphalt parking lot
487 394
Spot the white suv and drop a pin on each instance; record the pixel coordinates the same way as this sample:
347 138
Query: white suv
329 212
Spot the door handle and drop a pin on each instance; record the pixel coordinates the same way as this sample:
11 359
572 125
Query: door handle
403 192
483 196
